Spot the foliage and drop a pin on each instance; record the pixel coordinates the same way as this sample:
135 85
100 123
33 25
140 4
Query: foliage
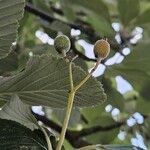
32 73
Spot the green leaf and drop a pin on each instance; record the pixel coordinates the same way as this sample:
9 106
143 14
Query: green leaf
100 24
143 106
2 103
11 11
135 68
15 136
97 116
45 81
17 111
39 49
144 17
42 5
28 27
96 11
9 63
113 96
122 147
59 114
59 26
96 6
103 137
110 147
128 10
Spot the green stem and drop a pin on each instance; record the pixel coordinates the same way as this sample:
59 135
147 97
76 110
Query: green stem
66 120
68 111
70 74
47 139
70 101
92 147
88 76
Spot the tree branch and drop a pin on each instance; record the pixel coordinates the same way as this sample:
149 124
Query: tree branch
83 28
32 9
75 137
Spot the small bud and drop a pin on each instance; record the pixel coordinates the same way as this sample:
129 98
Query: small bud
62 44
101 49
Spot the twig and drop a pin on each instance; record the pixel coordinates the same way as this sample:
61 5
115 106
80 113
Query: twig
84 29
68 111
47 139
75 137
88 76
92 147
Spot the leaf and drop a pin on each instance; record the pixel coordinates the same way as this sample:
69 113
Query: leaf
143 106
9 63
58 116
97 116
113 96
100 24
15 136
128 10
42 5
59 26
135 68
11 11
122 147
2 103
45 81
110 147
144 17
39 49
96 6
102 136
96 12
28 27
17 111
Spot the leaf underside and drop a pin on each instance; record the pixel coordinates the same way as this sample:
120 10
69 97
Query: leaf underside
45 81
16 110
14 136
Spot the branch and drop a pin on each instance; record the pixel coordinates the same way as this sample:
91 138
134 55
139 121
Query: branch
75 137
88 131
81 55
32 9
83 28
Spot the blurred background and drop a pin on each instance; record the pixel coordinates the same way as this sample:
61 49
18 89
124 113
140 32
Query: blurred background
125 117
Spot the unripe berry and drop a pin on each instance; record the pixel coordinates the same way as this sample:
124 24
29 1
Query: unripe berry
101 49
62 44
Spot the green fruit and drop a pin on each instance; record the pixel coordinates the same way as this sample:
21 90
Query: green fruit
62 44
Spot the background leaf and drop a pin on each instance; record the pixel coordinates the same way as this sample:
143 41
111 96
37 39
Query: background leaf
128 10
134 68
11 11
15 110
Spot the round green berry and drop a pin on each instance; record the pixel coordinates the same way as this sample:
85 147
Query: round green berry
62 44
